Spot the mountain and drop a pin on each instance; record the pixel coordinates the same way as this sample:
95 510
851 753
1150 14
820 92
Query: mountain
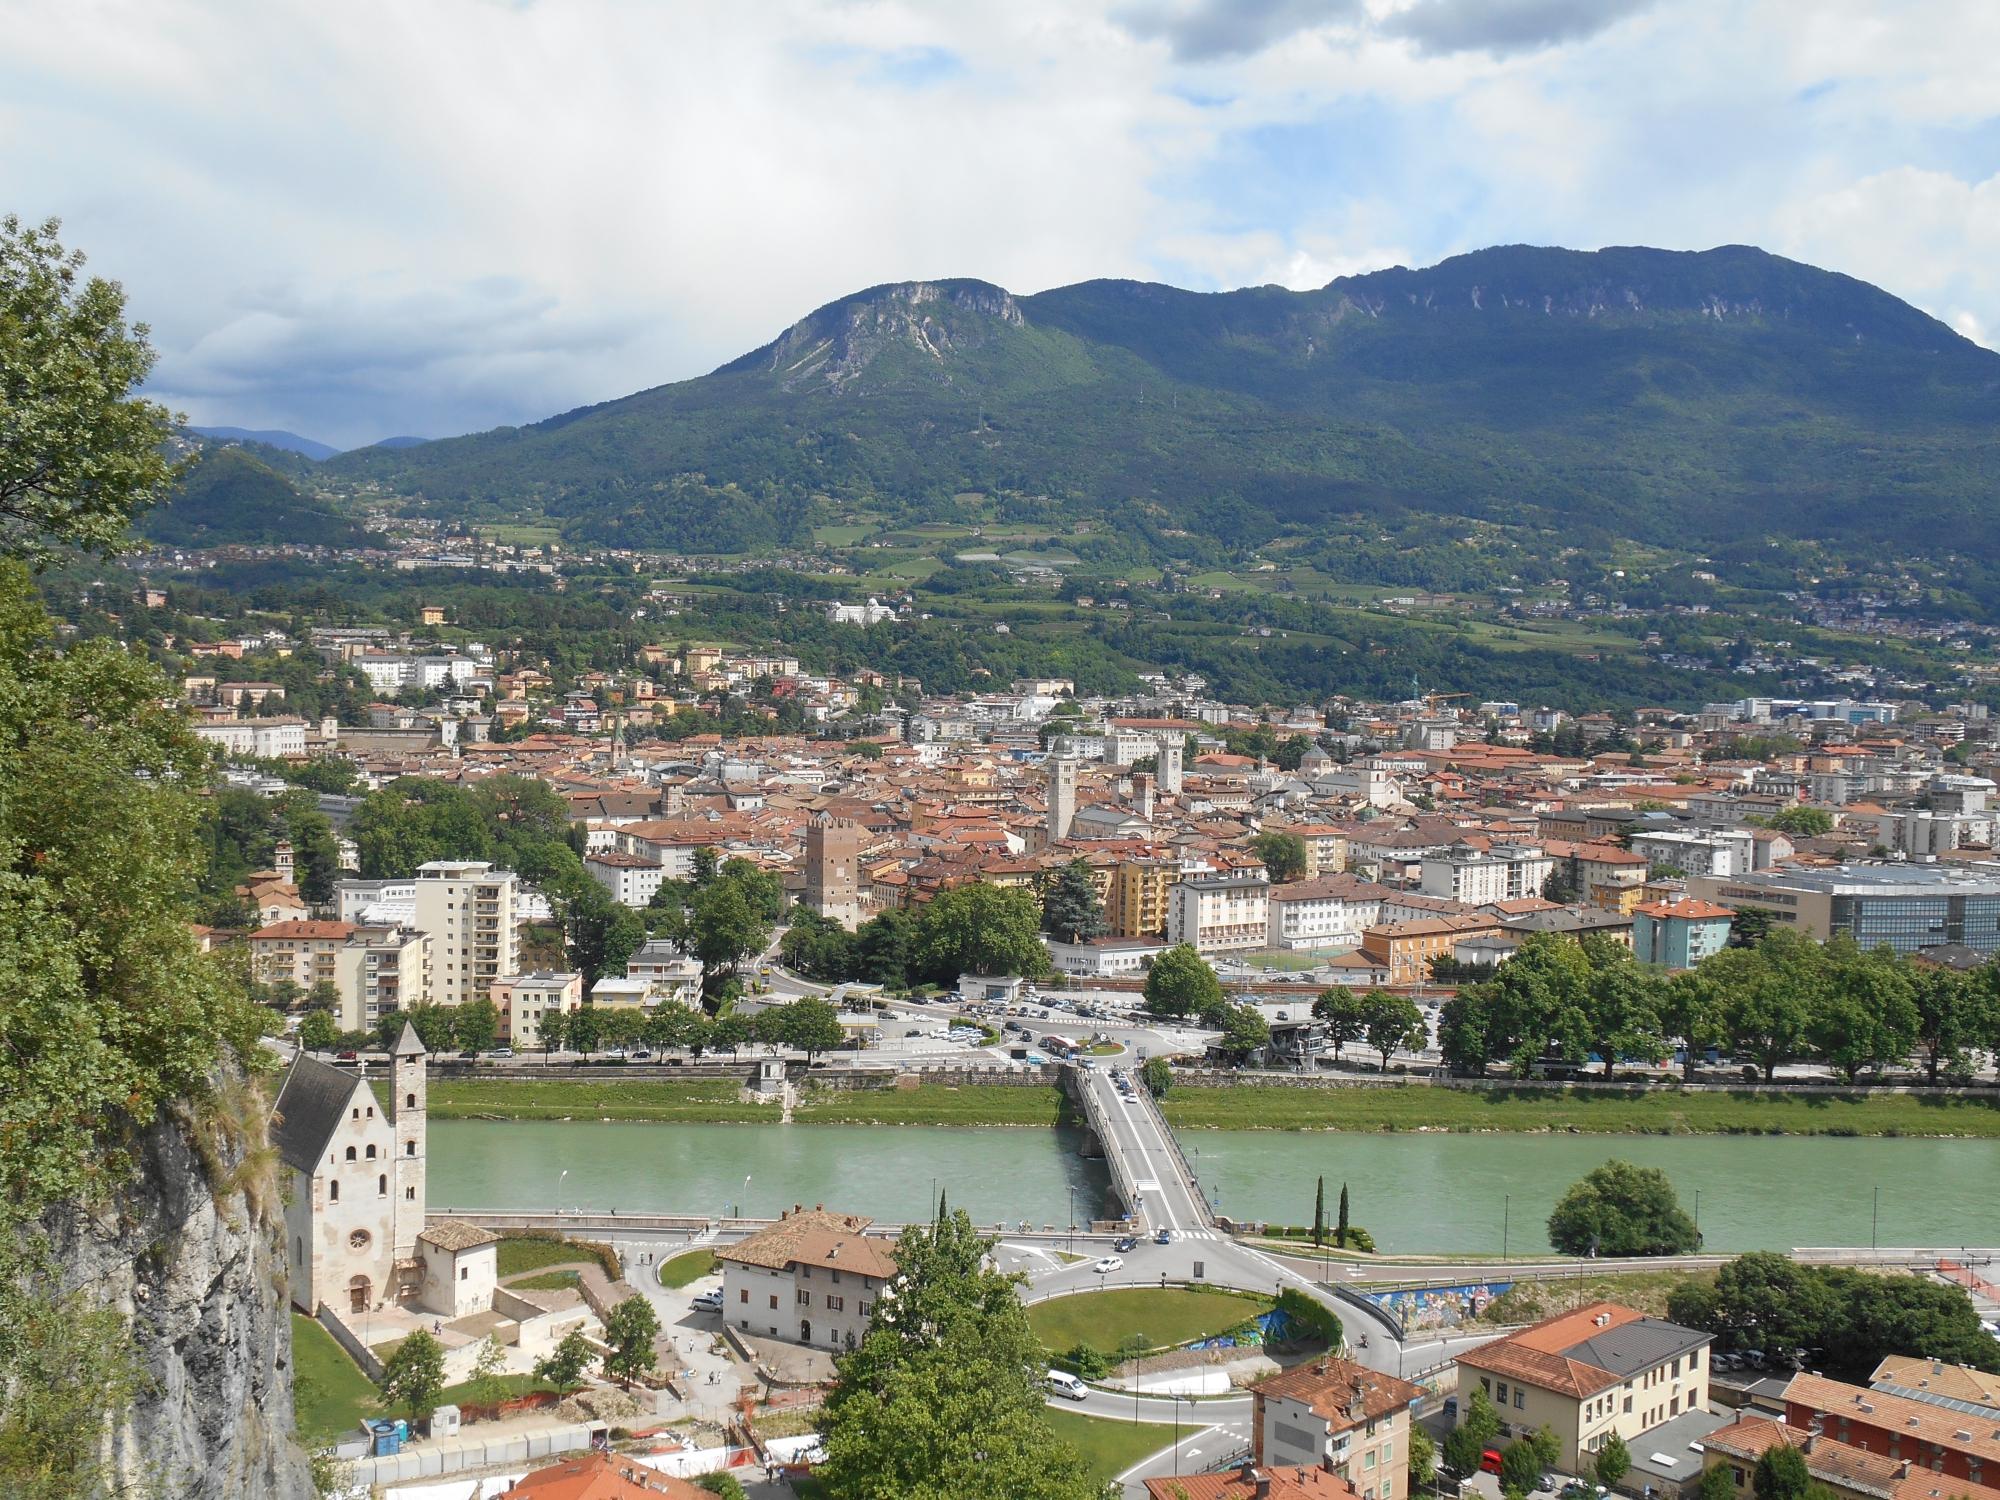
291 442
1691 398
399 442
231 496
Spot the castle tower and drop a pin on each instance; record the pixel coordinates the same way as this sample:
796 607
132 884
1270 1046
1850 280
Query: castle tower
409 1101
1142 794
833 869
1170 767
1062 797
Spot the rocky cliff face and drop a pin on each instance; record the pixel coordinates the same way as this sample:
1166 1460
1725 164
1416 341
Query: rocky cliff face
184 1251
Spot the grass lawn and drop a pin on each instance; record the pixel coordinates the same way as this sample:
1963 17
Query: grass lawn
1163 1316
1105 1049
1531 1301
1650 1112
686 1268
706 1100
516 1256
548 1281
328 1389
1110 1448
932 1104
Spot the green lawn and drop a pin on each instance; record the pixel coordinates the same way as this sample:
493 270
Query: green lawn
687 1267
328 1389
706 1100
1110 1448
1658 1111
1163 1316
518 1255
932 1104
548 1281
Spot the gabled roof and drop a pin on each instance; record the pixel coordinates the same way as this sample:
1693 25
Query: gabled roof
1340 1392
311 1104
1579 1353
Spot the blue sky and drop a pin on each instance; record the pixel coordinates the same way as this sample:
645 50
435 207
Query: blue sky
385 217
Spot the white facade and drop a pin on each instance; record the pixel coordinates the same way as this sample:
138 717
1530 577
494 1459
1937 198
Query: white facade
1219 914
1698 854
1325 913
1506 872
632 880
468 910
266 739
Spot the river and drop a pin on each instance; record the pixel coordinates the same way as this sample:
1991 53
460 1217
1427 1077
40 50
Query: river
1413 1192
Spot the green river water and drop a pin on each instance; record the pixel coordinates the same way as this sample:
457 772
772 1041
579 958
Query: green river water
1413 1192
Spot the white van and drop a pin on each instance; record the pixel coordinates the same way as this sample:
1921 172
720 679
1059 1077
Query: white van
1065 1384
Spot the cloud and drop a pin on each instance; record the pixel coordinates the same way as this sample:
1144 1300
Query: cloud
1200 31
1504 26
374 217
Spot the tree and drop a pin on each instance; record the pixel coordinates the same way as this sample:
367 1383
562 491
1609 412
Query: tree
1466 1443
315 852
1157 1074
818 947
413 1375
554 1031
318 1031
1621 1005
1865 1014
1521 1467
476 1025
1071 911
1768 996
1716 1482
1244 1030
1394 1025
487 1369
563 1366
1181 984
1284 854
1800 822
79 455
721 1482
1319 1212
1749 927
725 926
1688 1012
1343 1013
1955 1015
1614 1459
1781 1474
979 929
1341 1230
884 948
942 1395
1423 1459
629 1331
812 1026
1620 1209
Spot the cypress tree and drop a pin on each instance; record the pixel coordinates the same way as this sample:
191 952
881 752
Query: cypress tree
1340 1234
1319 1214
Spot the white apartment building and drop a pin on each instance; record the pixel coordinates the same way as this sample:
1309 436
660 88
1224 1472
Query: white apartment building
1725 853
632 879
524 999
812 1278
382 970
670 976
1221 913
376 902
266 739
468 910
391 672
1506 872
1330 912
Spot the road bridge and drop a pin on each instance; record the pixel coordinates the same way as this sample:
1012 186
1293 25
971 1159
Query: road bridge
1149 1175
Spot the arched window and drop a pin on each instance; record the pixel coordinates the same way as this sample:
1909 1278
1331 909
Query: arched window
409 1148
409 1101
382 1186
371 1153
333 1192
350 1153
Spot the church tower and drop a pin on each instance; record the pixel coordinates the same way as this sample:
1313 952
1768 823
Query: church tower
409 1073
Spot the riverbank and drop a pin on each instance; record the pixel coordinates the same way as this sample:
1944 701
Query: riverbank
719 1102
1657 1111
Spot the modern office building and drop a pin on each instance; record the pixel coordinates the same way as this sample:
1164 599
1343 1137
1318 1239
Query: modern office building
1906 906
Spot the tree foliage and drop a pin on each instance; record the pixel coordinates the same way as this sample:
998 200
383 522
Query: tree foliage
629 1331
979 929
1284 854
1181 984
1071 911
1620 1209
413 1375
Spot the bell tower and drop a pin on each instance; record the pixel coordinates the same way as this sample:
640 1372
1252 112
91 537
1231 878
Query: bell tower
409 1074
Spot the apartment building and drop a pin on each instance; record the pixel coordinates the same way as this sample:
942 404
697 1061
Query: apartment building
1331 911
1220 913
632 879
304 952
1505 872
1587 1374
1722 853
1407 949
467 907
1959 1441
524 999
1850 1473
812 1278
1679 934
1135 906
382 970
265 739
1340 1416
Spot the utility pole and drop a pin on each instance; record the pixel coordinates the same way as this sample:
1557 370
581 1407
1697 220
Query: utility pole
1506 1213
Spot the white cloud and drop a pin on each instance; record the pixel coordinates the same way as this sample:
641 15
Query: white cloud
370 217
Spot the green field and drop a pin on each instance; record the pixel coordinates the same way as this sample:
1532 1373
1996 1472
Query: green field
548 1281
1110 1448
932 1104
1162 1316
1659 1111
687 1267
518 1255
704 1100
328 1389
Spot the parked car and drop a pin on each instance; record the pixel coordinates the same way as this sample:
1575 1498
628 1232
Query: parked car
501 1052
642 1056
1123 1243
1489 1461
708 1302
347 1056
1109 1264
469 1054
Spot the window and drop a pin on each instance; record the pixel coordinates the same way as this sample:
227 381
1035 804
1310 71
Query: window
835 1304
1628 1405
358 1240
350 1153
333 1192
410 1193
382 1185
836 1277
743 1295
1389 1451
803 1297
866 1308
409 1148
774 1306
465 1273
1503 1393
371 1149
409 1101
1518 1394
1368 1460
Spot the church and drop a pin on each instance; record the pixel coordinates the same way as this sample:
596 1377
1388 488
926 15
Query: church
354 1220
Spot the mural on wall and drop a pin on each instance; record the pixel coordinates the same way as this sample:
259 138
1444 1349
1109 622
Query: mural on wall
1439 1306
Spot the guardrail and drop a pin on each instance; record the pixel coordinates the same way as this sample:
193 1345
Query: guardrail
1152 1107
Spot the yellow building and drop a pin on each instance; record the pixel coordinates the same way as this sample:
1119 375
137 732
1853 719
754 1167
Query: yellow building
1135 897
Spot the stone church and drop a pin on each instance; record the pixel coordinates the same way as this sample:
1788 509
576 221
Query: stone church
354 1223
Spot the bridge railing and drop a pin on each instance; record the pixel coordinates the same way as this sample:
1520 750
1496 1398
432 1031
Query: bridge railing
1152 1106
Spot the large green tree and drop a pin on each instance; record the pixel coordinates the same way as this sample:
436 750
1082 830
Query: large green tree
942 1398
1181 984
1394 1025
1344 1013
980 929
413 1375
629 1331
1071 911
810 1025
1620 1209
1956 1015
1284 854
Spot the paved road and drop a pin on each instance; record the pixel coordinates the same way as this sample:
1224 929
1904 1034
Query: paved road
1134 1130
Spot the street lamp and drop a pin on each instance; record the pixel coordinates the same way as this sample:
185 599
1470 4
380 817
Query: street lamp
745 1196
1506 1215
1072 1218
559 1186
